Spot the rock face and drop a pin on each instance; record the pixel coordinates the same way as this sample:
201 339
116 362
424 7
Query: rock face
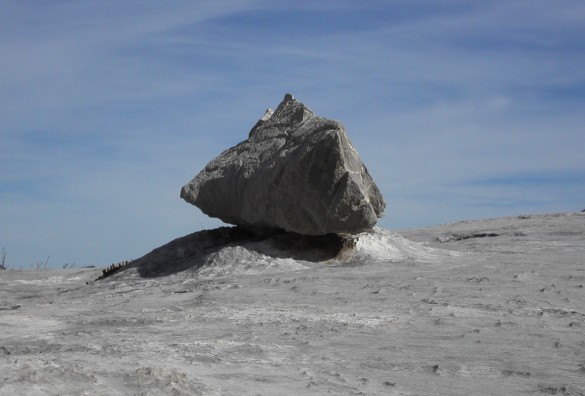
296 171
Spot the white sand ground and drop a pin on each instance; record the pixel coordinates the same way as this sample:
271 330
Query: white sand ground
501 315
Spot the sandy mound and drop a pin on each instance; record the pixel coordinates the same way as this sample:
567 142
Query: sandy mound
233 250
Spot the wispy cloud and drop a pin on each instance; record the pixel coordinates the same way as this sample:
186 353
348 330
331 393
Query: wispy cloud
109 107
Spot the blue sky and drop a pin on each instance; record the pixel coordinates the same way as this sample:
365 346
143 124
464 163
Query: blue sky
460 109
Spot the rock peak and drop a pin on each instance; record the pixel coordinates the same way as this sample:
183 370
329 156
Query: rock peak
288 113
291 108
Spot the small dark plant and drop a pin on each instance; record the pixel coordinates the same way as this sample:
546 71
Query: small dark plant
43 264
3 260
112 269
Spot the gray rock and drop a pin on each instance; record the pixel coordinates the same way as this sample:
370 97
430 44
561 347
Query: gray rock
296 171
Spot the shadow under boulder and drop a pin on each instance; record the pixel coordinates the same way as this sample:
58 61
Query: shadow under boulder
194 251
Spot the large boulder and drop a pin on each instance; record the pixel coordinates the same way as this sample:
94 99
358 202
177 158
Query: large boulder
296 171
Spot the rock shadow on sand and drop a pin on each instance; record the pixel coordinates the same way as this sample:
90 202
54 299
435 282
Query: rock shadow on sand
196 250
